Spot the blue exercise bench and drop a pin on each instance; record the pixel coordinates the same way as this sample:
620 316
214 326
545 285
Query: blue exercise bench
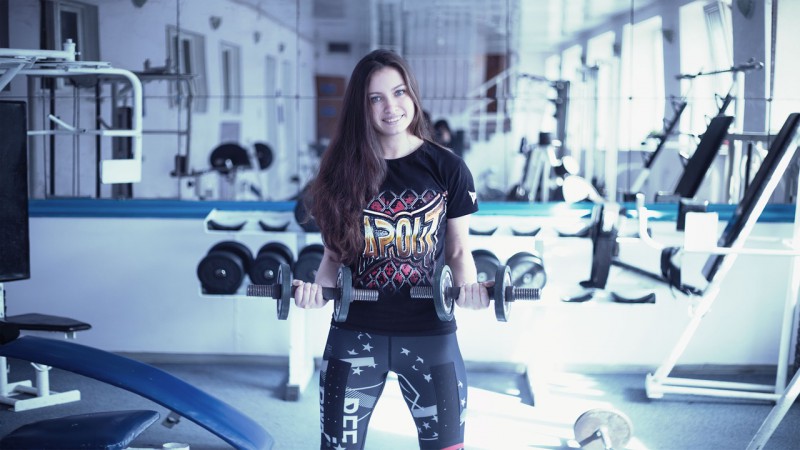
216 416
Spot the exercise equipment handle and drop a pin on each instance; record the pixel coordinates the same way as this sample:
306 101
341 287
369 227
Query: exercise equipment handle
328 293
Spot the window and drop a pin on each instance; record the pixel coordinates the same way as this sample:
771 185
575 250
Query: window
72 20
700 22
187 56
230 62
641 82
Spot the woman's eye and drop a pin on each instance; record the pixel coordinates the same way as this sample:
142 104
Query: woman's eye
374 99
399 92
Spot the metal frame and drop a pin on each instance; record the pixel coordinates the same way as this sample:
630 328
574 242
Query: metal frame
659 382
35 395
62 63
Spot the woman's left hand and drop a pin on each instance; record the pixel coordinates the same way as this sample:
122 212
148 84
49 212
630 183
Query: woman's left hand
474 295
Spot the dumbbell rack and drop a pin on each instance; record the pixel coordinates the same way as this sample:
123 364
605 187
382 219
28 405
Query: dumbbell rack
301 356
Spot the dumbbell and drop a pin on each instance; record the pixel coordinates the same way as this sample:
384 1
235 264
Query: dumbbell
308 261
224 267
603 429
527 270
271 255
444 294
486 264
342 295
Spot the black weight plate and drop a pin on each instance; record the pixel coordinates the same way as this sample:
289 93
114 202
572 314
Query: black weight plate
502 280
214 225
285 300
487 232
220 272
265 267
486 264
341 305
229 156
527 270
443 281
238 249
308 261
272 228
264 155
278 248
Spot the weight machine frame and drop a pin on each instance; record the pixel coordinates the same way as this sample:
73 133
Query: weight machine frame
660 382
62 63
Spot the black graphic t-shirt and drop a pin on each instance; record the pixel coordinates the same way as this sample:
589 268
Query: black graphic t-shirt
404 240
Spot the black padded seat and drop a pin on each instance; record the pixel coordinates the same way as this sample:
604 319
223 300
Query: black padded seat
44 322
110 430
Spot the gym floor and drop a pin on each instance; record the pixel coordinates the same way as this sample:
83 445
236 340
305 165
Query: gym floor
501 414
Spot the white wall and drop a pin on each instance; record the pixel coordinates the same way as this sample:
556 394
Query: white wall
134 281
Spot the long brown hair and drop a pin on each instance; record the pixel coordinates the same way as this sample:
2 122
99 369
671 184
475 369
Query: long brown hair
352 168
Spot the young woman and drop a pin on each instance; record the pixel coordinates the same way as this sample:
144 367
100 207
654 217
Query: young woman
393 206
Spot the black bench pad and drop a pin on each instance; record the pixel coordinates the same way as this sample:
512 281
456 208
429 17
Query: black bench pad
43 322
112 430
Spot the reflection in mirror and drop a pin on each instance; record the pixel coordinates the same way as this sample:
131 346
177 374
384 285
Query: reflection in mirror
603 82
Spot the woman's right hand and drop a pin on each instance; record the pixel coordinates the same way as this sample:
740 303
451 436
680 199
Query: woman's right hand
308 295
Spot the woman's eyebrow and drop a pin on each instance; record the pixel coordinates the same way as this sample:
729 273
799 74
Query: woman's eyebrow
394 88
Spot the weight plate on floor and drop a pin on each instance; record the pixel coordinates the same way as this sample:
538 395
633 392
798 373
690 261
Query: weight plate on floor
308 262
220 272
486 264
341 304
237 248
285 300
598 425
527 270
443 280
265 267
501 305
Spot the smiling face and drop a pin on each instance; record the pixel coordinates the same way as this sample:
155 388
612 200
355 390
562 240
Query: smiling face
391 106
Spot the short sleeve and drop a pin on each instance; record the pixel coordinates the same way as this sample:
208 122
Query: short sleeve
461 196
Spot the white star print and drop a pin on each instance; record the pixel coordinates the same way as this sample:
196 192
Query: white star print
428 377
357 371
405 351
352 352
367 347
339 447
426 425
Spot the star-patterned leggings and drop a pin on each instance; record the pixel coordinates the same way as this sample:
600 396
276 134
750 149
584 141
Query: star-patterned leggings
432 378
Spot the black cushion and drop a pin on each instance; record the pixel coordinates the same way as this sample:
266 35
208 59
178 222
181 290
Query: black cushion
107 430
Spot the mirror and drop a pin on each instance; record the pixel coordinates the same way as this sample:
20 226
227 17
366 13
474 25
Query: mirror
623 89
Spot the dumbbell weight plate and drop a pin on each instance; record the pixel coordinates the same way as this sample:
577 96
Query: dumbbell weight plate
220 273
308 262
615 426
501 281
486 264
265 267
284 302
527 270
341 305
443 280
237 248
